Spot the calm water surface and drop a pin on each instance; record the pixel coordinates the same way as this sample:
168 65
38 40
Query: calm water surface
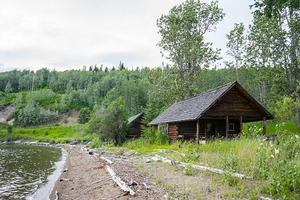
24 168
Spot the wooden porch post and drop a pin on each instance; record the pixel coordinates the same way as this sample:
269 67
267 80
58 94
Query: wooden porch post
197 134
265 125
205 133
241 124
227 126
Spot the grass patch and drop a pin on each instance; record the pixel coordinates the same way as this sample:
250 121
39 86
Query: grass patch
57 134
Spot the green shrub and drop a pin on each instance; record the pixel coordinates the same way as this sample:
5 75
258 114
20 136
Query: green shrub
34 115
278 166
111 124
189 171
42 97
152 136
9 129
285 110
84 115
96 142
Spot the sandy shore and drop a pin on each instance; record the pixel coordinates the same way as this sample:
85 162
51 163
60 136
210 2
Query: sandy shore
87 178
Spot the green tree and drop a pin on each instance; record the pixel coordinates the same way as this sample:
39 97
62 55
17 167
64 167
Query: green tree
236 46
84 115
8 88
285 14
182 33
114 122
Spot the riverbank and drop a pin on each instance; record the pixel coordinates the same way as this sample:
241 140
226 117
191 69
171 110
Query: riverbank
85 177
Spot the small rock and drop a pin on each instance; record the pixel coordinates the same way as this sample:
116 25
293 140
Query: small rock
65 170
61 180
91 153
148 160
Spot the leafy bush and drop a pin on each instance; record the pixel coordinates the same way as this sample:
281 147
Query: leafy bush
96 142
152 136
33 115
84 115
285 109
278 166
2 104
189 171
43 97
114 122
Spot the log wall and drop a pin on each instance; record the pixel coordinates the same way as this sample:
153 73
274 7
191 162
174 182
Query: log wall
173 132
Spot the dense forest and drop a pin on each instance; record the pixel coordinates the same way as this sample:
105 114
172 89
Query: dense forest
264 58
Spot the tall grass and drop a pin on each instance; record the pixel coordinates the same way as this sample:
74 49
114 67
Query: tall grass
59 134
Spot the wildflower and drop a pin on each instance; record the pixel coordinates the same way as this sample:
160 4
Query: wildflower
272 156
297 136
276 151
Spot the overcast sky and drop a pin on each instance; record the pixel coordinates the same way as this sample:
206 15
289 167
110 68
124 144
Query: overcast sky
67 34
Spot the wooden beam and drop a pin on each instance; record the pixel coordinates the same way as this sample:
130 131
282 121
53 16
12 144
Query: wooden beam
227 126
241 124
205 133
265 125
197 134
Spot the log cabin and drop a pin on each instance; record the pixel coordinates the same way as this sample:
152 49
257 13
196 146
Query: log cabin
134 124
217 113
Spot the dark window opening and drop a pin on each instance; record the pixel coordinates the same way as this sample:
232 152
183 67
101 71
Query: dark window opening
231 127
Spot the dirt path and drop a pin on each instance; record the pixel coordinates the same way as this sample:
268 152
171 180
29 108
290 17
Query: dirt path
5 113
84 170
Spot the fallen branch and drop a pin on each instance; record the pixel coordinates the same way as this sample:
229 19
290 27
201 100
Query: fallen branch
104 179
56 195
107 160
118 180
203 168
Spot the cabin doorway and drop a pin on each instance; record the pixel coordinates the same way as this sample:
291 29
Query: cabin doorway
210 128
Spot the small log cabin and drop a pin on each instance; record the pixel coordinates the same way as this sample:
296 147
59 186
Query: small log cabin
135 123
219 112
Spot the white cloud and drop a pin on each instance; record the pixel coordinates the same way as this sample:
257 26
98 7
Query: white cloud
71 33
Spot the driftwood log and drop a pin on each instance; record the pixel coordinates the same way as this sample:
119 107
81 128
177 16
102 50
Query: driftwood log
118 180
107 160
199 167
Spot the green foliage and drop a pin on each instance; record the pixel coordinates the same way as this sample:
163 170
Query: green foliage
9 129
111 123
33 115
285 110
96 142
114 123
279 165
182 33
8 88
189 171
42 97
152 136
84 115
49 133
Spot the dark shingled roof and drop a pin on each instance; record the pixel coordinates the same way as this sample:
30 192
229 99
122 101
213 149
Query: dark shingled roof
192 108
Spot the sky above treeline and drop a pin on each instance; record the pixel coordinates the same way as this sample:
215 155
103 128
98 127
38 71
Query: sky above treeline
67 34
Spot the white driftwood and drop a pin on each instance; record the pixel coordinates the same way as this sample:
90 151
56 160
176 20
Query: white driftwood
56 195
118 180
203 168
107 160
264 198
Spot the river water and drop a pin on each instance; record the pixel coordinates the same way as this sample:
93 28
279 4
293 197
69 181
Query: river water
25 170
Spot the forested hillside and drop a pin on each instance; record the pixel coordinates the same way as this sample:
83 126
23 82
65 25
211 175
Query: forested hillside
263 57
